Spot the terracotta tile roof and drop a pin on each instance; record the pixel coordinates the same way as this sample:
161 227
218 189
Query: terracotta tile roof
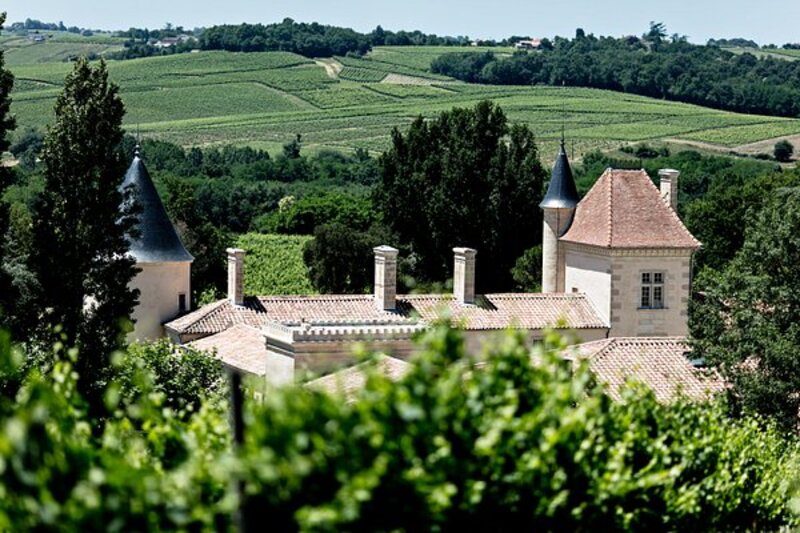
658 362
499 311
241 347
491 311
350 381
624 209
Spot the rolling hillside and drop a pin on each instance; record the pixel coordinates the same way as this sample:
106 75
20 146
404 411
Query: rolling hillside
264 99
58 46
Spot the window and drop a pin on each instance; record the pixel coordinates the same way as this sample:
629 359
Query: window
652 295
181 303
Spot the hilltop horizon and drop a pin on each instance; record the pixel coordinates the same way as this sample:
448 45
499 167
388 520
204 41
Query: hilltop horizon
476 21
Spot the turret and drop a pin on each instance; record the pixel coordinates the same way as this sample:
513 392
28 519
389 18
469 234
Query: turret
164 263
559 207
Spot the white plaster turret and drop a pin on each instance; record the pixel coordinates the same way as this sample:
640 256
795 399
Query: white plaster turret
165 264
559 208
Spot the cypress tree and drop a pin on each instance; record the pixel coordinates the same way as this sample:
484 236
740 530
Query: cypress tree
80 222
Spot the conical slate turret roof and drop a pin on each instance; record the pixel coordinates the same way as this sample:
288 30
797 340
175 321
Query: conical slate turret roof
157 242
561 193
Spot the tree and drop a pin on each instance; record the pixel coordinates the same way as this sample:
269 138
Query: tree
80 222
747 321
6 124
783 151
291 150
657 32
719 217
339 259
27 148
527 271
185 376
204 240
463 179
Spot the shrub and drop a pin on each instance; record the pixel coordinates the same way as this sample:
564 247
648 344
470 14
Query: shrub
783 151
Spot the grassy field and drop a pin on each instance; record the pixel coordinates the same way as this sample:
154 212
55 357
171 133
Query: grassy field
264 99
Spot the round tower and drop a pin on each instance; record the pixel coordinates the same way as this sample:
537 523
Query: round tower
559 207
164 279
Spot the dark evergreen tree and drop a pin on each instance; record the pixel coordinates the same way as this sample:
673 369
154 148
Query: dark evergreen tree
79 226
6 124
463 179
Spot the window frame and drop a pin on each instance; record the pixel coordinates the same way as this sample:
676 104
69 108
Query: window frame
652 289
183 303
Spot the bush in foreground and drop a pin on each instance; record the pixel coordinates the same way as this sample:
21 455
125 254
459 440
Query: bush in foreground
506 444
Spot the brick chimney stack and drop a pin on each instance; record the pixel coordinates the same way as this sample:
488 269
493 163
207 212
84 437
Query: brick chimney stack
236 275
669 187
464 275
385 277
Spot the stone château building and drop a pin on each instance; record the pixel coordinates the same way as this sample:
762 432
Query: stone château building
616 274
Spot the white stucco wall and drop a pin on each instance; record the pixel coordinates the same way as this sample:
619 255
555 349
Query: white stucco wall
627 318
159 284
589 272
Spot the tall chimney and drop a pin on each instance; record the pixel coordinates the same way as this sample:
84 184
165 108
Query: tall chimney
464 275
236 275
385 277
669 187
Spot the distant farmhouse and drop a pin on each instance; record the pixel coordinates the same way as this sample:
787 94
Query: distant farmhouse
616 273
168 42
528 44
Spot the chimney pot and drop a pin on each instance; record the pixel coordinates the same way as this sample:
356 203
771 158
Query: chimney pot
236 275
385 277
464 275
669 186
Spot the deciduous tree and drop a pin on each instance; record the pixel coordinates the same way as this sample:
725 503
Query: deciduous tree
466 178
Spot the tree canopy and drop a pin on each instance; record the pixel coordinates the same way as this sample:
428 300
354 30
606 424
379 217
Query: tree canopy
675 70
465 178
747 320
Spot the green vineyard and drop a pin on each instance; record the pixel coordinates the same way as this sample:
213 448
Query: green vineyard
265 99
274 264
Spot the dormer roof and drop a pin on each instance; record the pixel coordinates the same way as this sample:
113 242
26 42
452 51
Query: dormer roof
157 240
561 193
624 209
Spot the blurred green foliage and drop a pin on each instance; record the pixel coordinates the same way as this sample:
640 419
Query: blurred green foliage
517 440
